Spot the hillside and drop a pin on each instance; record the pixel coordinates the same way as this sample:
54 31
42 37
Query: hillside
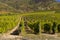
28 5
5 7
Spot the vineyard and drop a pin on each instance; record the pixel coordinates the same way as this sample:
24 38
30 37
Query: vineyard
48 22
35 23
8 22
29 19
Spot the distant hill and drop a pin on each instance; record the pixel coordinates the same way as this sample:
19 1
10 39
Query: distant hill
28 5
5 7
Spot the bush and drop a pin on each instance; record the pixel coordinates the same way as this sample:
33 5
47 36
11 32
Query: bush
8 20
58 27
31 25
54 28
36 28
46 28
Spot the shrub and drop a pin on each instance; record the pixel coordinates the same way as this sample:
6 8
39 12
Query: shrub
54 28
46 28
31 25
8 20
36 28
58 27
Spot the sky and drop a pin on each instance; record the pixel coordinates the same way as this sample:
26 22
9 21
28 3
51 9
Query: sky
58 0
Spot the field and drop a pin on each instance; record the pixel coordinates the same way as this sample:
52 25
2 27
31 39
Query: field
45 23
35 23
43 18
8 22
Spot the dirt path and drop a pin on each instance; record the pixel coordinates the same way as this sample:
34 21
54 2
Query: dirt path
10 37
